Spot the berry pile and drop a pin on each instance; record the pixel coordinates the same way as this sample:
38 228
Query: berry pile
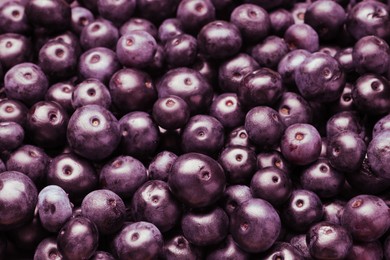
194 129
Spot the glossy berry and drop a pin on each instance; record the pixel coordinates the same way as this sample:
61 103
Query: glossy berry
202 134
235 195
58 59
139 240
18 197
302 210
71 39
116 11
11 136
30 160
180 51
99 137
61 93
366 217
238 136
139 134
262 87
333 210
80 17
255 225
169 29
205 227
371 54
153 202
372 93
99 33
206 67
327 240
156 67
345 59
298 11
368 18
302 36
138 24
78 239
136 49
47 249
16 49
271 184
239 163
160 167
91 92
290 63
346 151
293 108
73 174
264 126
328 49
123 175
252 21
198 93
273 158
53 15
270 51
171 112
321 178
228 110
281 20
345 121
378 155
197 180
54 207
46 124
301 144
99 63
320 78
104 208
178 246
13 18
232 71
25 82
132 90
219 39
381 125
326 17
345 102
193 14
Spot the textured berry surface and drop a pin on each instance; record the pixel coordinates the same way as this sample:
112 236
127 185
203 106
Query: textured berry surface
194 129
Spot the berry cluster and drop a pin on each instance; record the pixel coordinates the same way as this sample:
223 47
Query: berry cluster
194 129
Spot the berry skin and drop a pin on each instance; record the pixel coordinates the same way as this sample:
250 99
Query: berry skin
301 144
366 217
